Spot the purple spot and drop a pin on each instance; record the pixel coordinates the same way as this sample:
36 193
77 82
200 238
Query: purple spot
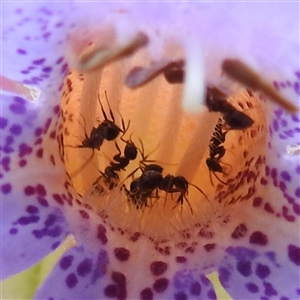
24 149
252 288
180 296
157 268
100 266
66 262
58 199
160 285
16 129
258 238
262 271
297 192
119 278
209 247
111 291
50 220
71 280
212 295
6 188
296 208
22 51
244 268
181 259
3 122
275 125
224 275
121 254
40 189
38 131
43 202
31 209
64 68
284 298
85 267
28 220
269 289
38 61
59 61
195 288
240 231
18 107
294 254
55 245
47 69
13 231
29 190
146 294
101 234
257 201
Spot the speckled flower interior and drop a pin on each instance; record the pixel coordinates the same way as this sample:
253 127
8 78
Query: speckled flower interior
155 225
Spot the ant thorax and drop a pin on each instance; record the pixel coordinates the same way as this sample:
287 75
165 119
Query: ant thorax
143 157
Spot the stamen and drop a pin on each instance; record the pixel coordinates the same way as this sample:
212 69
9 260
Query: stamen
29 92
100 57
194 88
139 76
243 74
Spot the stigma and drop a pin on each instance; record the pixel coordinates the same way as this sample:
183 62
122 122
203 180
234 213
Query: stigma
153 147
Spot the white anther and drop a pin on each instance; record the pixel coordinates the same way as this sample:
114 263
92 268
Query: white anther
194 86
293 150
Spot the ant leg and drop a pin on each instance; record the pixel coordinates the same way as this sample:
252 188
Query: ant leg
210 177
219 179
102 109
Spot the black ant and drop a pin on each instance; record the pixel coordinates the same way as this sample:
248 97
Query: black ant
216 101
216 151
107 130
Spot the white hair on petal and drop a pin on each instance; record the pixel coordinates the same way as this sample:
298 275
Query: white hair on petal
194 86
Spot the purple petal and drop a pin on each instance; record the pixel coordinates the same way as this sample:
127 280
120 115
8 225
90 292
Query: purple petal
250 274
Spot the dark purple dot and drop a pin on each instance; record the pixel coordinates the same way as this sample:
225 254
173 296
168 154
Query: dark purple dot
269 289
181 259
209 247
16 129
158 268
31 209
22 163
257 201
195 288
50 220
275 125
146 294
71 280
38 61
119 279
101 234
59 60
296 208
285 176
240 231
160 285
180 296
262 271
224 275
244 268
38 131
66 262
28 220
294 254
111 291
29 190
40 189
43 202
252 288
258 238
22 51
6 188
297 192
284 298
85 267
84 214
58 199
13 231
212 295
121 254
3 122
47 69
18 107
55 245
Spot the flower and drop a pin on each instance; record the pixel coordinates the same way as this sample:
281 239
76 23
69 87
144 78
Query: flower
247 230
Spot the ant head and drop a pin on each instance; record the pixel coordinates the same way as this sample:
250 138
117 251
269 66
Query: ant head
238 120
213 165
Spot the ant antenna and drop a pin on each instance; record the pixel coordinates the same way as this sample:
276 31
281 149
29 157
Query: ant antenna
110 111
102 109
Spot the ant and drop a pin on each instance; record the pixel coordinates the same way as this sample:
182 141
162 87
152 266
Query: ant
174 184
216 101
107 130
216 151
